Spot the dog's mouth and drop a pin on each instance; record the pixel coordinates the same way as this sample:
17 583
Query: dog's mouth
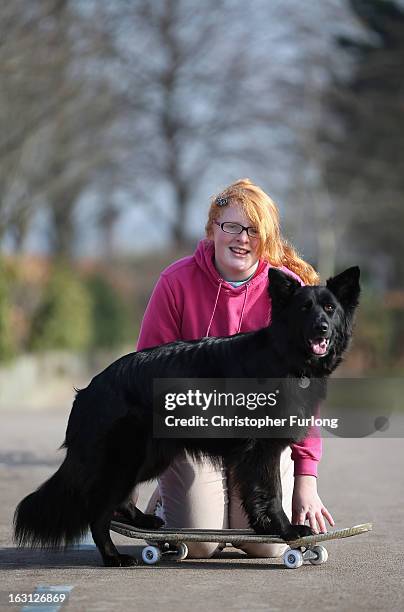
319 346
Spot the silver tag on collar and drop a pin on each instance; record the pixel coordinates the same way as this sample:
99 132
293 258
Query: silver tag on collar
304 382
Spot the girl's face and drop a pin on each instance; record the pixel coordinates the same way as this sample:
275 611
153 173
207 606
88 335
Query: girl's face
235 254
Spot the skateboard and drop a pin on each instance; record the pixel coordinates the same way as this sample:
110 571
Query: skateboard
172 542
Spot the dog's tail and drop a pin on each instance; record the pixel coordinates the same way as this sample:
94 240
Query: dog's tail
54 516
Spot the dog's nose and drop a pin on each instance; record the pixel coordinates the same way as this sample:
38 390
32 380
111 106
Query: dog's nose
321 326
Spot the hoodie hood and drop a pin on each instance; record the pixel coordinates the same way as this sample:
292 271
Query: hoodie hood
204 258
191 301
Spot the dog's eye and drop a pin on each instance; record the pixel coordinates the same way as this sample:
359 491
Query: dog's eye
329 307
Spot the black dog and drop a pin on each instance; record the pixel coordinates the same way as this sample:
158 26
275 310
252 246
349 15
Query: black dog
109 439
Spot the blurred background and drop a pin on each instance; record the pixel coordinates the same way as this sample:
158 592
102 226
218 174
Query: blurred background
120 119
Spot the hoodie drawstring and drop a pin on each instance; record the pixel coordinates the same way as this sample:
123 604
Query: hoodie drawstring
242 310
214 308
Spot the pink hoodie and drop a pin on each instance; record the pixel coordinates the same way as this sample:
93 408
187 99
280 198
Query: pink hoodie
191 301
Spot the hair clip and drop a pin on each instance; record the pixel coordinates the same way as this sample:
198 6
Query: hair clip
222 201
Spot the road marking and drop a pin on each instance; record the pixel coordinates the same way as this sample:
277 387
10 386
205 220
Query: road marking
45 590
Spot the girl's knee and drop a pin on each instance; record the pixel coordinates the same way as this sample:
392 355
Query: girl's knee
264 550
201 550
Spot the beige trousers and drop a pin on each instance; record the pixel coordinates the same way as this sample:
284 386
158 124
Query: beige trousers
198 495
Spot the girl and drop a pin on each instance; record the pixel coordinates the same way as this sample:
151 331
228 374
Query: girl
222 289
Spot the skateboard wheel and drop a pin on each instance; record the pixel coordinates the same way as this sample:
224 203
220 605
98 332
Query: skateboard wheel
182 551
322 555
151 555
292 558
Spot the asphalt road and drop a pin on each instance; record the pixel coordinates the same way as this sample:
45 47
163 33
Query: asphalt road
360 481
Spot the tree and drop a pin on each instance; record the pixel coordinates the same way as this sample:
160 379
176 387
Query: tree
213 98
176 60
58 110
364 166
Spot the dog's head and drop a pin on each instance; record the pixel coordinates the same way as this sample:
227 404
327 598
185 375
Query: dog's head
317 320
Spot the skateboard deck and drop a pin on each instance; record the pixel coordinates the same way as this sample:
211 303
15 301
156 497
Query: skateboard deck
230 536
307 548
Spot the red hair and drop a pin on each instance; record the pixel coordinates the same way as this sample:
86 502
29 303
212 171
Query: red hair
263 214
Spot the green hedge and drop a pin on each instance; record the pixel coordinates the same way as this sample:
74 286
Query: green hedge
374 332
63 318
7 346
111 322
79 314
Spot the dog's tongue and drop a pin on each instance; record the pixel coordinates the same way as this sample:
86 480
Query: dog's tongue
319 346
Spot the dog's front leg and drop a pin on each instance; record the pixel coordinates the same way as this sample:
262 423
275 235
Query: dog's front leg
259 483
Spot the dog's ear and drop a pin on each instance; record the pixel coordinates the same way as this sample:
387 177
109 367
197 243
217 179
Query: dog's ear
281 285
346 288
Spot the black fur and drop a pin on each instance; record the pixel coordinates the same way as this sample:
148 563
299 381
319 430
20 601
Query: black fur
110 447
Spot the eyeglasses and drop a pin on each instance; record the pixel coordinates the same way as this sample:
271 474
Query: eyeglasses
236 228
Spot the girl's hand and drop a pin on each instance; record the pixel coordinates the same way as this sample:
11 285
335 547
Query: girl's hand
306 505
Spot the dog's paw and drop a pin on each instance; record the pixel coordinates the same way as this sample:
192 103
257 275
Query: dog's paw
297 531
157 522
120 561
150 521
